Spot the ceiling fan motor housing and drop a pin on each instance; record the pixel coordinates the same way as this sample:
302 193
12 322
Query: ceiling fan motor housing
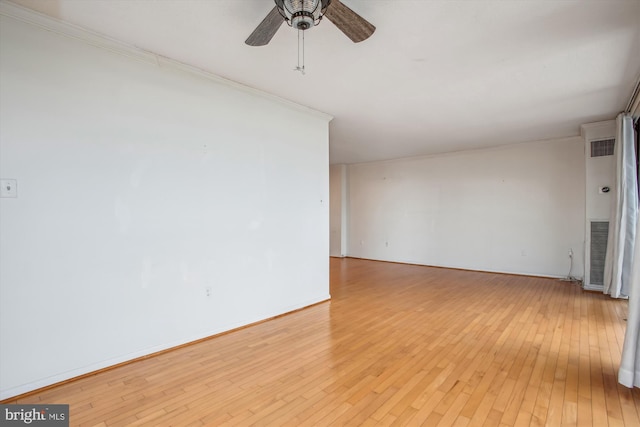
302 14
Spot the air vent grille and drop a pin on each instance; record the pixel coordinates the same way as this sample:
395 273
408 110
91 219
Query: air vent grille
599 236
603 147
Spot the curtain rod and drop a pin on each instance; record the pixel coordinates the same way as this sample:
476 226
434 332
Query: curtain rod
635 99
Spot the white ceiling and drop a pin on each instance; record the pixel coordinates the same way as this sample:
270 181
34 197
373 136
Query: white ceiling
437 75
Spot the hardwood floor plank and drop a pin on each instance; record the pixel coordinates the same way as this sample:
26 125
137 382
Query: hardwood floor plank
397 345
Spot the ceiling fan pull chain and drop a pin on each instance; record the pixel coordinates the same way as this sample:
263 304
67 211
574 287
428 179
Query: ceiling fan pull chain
302 51
299 68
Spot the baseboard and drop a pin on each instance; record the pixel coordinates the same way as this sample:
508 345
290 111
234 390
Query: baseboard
509 273
25 390
595 288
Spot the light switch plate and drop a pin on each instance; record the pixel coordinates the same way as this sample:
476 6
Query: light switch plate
8 188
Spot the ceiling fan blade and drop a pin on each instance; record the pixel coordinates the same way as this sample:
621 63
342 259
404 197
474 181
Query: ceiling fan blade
264 32
350 23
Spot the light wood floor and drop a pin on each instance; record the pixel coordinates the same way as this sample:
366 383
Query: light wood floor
397 345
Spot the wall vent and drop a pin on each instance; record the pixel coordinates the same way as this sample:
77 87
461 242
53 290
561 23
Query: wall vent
603 147
599 237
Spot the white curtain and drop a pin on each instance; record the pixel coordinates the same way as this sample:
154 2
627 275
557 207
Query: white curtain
629 373
624 213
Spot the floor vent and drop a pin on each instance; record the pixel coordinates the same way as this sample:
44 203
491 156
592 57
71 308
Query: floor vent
603 147
599 236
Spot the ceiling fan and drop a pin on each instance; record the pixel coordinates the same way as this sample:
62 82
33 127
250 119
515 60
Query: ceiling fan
304 14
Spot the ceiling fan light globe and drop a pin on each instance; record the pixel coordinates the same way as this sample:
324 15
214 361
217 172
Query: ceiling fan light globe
302 14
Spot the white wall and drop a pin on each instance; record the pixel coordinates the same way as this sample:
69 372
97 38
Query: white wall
338 217
516 209
140 187
335 210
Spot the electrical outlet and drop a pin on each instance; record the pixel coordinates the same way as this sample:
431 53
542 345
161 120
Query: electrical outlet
8 188
208 291
570 253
